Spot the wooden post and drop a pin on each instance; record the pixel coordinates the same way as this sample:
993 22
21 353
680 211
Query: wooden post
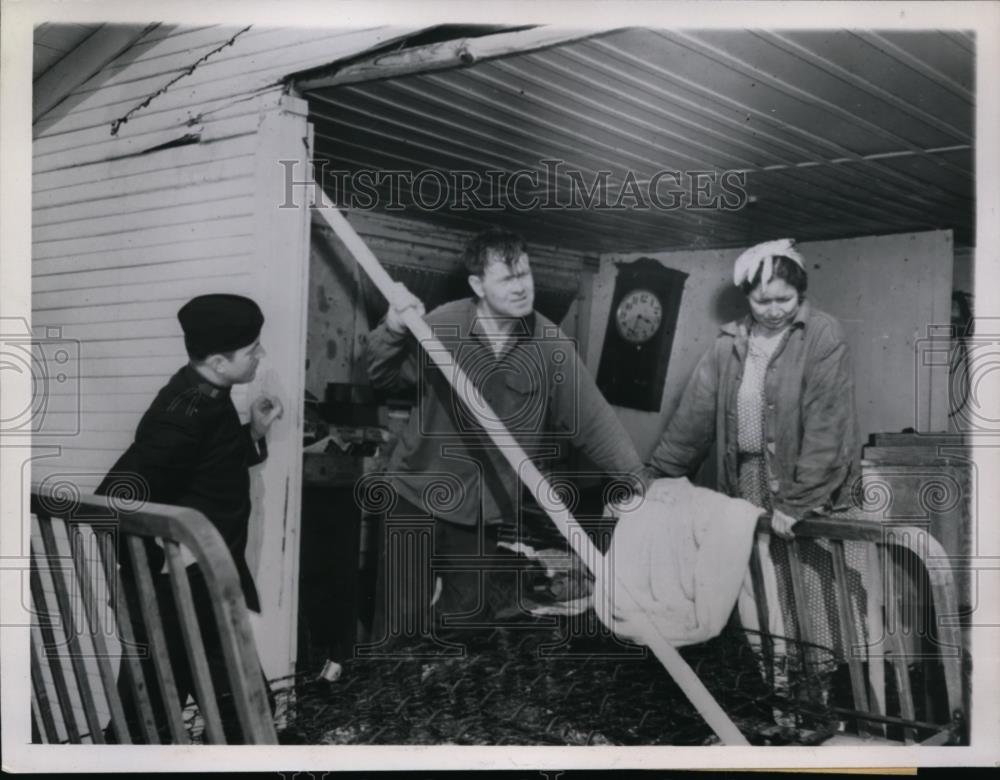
281 271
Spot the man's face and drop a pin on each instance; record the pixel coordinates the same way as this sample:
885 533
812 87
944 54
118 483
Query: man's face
505 290
242 368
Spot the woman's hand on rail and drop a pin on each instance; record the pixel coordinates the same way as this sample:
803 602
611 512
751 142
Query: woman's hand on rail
781 524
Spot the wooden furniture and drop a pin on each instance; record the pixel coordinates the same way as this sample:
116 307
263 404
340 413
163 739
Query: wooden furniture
928 481
75 581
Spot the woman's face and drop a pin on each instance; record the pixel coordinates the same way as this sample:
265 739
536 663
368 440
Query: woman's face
775 304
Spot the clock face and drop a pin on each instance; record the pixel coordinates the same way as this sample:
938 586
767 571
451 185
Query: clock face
638 316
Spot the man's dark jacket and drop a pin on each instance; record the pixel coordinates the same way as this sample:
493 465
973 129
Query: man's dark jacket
191 450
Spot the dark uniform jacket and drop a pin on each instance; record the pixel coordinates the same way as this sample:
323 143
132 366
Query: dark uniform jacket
810 427
538 389
192 451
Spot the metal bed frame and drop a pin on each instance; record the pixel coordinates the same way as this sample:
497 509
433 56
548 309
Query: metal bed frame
74 556
505 690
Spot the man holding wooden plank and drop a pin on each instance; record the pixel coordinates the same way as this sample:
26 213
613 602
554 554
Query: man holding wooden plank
445 471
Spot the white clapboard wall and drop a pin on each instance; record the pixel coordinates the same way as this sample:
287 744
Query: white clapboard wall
179 201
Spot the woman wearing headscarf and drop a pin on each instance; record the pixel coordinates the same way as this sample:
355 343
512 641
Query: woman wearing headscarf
775 395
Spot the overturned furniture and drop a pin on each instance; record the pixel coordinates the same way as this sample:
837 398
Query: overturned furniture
81 622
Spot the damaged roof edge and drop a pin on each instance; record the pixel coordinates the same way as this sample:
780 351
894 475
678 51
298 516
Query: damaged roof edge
445 55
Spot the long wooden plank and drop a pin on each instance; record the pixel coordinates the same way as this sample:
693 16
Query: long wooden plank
194 644
92 610
445 55
157 640
70 631
529 474
130 664
50 646
40 698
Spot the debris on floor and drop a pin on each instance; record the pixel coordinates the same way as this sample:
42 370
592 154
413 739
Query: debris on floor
542 684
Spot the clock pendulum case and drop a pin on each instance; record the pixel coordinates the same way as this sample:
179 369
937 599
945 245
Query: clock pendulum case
640 333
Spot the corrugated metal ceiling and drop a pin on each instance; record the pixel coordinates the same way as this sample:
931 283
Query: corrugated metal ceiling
840 133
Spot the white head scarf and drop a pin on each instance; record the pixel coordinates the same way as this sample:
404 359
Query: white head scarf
748 262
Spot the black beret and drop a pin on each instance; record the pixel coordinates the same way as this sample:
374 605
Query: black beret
219 323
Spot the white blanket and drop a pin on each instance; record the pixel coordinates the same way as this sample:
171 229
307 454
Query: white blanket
680 559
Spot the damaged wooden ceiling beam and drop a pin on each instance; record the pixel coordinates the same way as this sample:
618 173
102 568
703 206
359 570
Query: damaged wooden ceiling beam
458 53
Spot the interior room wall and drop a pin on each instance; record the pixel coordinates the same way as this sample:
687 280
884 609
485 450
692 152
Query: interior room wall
886 291
334 318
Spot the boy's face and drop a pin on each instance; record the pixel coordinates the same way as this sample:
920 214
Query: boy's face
242 368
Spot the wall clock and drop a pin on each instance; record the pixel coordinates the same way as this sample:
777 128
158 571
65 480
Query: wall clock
639 316
640 334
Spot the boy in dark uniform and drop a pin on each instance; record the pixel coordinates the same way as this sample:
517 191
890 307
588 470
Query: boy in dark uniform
190 450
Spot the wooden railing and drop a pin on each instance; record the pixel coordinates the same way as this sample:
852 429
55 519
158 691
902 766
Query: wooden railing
905 570
74 559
